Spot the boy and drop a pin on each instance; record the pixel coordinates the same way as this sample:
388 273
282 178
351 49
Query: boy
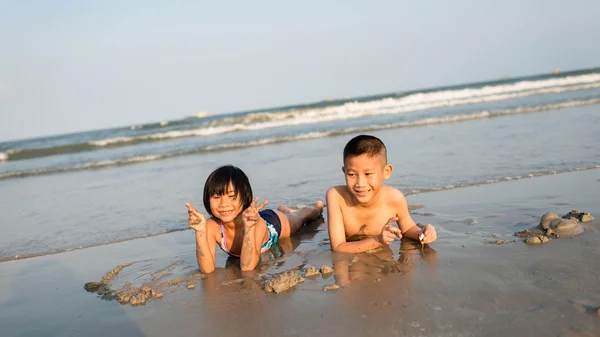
361 213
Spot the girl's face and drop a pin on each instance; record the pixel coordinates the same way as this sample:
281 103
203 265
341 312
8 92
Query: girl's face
226 207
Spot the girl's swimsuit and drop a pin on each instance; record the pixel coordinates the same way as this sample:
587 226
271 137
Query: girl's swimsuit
273 226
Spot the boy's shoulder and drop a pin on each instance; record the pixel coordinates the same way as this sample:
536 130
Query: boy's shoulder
339 189
337 192
392 192
391 195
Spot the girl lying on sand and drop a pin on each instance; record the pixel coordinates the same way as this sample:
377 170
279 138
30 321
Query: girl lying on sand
241 228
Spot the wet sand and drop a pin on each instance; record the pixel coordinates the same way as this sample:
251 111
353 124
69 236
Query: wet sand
460 286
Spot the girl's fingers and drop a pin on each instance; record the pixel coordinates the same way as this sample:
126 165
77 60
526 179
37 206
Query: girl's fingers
192 210
264 203
190 207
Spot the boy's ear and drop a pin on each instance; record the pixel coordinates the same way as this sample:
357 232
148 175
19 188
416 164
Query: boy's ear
344 169
387 171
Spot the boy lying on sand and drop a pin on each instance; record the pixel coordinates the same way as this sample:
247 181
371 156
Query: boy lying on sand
361 213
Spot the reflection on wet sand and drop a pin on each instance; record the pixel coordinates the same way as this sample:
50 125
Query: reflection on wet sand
139 286
283 267
380 262
152 285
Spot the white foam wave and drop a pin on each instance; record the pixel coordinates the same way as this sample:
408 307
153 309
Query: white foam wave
274 140
386 106
505 179
415 123
314 135
131 160
88 165
476 115
3 156
389 106
171 135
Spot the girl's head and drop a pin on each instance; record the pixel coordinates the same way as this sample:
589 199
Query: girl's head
227 193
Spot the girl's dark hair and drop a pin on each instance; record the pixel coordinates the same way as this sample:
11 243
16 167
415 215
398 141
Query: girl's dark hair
218 181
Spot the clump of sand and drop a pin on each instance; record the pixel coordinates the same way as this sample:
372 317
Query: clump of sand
283 281
291 278
552 226
139 295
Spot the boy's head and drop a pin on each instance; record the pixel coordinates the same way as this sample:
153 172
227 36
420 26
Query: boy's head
365 167
365 144
227 179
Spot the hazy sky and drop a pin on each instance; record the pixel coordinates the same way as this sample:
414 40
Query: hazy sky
78 65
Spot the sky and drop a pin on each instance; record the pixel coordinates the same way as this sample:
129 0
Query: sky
68 66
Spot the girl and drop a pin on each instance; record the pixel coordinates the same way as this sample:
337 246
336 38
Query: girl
237 225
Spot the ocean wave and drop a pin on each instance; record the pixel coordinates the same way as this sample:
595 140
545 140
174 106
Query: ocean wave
307 136
169 135
88 165
352 110
503 179
342 111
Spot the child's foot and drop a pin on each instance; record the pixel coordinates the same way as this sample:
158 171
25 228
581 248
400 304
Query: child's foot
319 204
286 210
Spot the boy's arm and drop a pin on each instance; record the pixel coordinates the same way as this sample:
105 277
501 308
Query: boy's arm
407 224
337 234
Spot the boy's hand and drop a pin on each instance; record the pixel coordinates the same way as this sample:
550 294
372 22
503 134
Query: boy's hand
389 233
429 233
250 215
196 220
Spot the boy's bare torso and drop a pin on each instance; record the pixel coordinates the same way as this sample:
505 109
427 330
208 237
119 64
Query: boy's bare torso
363 221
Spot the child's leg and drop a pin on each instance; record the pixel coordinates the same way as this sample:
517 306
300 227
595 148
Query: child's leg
292 220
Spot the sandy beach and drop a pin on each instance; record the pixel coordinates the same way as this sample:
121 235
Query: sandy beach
114 115
461 285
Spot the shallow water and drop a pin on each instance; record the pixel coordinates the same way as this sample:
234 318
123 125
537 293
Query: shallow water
52 213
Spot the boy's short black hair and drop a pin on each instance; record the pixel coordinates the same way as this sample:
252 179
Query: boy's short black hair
218 181
365 144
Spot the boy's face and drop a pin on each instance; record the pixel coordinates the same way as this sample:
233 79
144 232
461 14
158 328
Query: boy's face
226 207
365 175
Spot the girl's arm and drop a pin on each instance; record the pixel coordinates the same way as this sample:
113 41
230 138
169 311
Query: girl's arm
205 251
255 230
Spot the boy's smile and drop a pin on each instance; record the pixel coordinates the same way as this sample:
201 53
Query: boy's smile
362 193
364 175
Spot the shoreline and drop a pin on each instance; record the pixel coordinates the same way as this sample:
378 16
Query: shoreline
410 193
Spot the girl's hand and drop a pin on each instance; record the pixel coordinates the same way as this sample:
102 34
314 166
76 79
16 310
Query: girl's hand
250 215
196 220
389 233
